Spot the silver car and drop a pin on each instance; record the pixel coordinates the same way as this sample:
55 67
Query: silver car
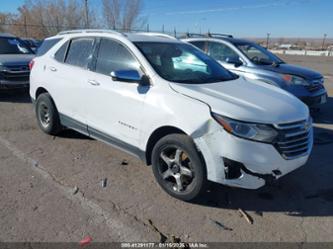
250 60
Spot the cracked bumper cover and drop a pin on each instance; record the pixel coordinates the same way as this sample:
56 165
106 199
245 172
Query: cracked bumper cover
262 162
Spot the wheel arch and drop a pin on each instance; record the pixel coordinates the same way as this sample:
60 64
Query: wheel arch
156 136
39 91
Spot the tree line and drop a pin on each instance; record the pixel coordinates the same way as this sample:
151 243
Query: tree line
43 18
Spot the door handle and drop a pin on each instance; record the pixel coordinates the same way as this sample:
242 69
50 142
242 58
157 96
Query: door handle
93 82
53 69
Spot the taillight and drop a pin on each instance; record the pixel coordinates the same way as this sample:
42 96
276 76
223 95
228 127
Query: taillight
31 64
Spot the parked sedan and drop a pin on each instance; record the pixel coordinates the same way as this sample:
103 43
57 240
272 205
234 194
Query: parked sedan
15 56
252 61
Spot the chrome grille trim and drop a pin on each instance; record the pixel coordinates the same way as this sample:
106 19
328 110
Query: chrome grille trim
15 73
295 134
290 125
294 146
294 139
316 84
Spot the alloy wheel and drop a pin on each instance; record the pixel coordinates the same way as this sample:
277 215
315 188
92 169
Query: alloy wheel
175 169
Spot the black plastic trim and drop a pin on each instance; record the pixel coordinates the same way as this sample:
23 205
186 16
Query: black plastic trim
94 133
269 178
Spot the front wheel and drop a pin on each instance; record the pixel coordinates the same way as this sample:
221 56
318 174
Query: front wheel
178 167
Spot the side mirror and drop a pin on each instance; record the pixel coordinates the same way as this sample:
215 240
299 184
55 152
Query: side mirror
235 61
129 76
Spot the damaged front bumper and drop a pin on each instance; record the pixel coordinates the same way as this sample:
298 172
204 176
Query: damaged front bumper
238 162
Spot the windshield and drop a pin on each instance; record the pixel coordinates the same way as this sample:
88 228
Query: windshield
183 63
258 54
10 45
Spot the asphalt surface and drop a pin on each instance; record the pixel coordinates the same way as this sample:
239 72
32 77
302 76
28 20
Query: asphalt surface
54 189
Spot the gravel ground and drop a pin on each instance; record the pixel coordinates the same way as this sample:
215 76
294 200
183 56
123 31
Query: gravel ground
50 190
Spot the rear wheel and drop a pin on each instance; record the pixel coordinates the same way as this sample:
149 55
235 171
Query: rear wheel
47 114
178 167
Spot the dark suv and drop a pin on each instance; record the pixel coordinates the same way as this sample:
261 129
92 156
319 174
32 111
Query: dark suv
15 56
252 61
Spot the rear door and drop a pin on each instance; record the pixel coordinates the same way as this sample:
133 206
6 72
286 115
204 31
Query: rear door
68 76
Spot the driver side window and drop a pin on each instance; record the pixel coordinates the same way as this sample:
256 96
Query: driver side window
221 52
113 56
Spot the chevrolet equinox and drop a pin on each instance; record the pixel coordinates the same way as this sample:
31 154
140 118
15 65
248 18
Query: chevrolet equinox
172 106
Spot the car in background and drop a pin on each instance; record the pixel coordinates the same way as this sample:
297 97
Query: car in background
253 61
32 43
15 57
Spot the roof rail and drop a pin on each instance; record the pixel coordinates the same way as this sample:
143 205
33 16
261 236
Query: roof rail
212 35
155 34
191 35
79 31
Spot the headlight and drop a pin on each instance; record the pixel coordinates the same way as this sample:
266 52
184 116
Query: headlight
258 132
296 80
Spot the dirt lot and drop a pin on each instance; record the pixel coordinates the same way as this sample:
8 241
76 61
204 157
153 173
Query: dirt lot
40 202
323 64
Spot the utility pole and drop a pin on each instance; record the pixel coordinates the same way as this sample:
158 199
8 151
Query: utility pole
25 26
324 39
163 28
267 40
57 24
86 10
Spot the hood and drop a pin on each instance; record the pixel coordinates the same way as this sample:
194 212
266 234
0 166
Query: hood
294 70
15 59
247 100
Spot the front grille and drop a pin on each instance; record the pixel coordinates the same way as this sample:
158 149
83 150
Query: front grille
16 73
294 139
316 85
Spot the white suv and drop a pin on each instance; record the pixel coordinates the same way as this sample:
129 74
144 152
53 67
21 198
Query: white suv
171 105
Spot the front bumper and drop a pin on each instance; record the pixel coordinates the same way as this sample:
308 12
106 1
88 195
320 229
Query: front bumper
314 101
311 96
13 84
262 162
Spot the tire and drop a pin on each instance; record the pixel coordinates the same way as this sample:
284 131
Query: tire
179 168
47 115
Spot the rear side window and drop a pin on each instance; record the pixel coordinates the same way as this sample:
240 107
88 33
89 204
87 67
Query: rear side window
114 56
199 44
46 46
80 52
221 52
60 54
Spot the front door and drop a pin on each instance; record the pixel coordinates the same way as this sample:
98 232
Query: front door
222 53
113 108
